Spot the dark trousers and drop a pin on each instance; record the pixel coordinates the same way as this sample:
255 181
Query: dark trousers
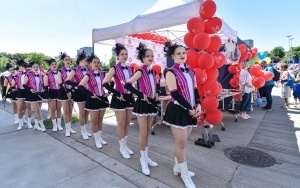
246 99
268 94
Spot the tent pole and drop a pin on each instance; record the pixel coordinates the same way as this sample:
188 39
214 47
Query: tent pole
93 47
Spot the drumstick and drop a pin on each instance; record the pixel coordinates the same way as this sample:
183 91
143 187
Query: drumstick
101 99
177 103
153 105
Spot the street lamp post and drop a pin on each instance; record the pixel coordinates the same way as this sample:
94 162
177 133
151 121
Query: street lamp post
289 38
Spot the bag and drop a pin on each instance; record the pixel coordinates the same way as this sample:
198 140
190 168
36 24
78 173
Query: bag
290 81
276 75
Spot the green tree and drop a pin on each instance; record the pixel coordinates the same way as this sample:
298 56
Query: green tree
38 58
278 54
3 61
296 52
112 62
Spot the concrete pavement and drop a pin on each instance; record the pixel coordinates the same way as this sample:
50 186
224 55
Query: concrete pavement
33 159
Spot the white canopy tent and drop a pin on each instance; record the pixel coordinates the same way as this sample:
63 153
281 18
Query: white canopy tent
165 18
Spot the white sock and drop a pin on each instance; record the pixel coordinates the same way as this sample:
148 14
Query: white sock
58 121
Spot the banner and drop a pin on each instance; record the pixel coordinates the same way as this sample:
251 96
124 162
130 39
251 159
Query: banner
132 43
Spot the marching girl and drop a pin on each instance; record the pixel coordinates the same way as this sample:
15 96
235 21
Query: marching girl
180 113
122 101
21 95
65 92
33 83
51 93
144 107
11 94
77 74
96 101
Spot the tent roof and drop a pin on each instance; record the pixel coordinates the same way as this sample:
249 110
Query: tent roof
161 15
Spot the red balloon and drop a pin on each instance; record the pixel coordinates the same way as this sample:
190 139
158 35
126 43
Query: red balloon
195 25
234 83
201 76
192 59
210 103
135 66
207 9
258 82
211 87
213 25
267 76
206 61
238 96
157 68
201 41
256 70
254 50
212 74
249 55
188 40
244 56
253 54
232 69
242 48
214 117
219 59
215 44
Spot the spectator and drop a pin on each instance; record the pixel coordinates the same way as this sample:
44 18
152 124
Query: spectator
267 88
296 90
285 90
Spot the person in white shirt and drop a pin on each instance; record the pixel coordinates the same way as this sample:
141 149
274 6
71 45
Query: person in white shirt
246 89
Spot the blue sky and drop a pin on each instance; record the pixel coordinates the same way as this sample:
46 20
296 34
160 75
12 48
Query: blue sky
52 26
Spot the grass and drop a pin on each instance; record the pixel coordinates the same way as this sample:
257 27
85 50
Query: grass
48 122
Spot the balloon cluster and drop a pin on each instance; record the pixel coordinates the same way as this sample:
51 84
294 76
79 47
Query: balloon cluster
151 36
155 67
259 76
204 58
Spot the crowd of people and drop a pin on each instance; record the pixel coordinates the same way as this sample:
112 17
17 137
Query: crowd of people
89 87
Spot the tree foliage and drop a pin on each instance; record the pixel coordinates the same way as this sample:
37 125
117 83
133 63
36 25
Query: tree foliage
112 61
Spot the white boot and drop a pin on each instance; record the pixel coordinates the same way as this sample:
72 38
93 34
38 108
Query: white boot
188 182
43 129
88 134
36 125
54 125
20 124
68 130
84 133
176 169
97 141
100 138
29 123
16 118
59 124
126 147
123 151
24 120
149 161
144 164
71 130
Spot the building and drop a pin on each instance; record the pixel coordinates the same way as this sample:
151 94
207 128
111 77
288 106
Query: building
87 50
249 42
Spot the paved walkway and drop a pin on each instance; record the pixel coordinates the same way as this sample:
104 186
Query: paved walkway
33 159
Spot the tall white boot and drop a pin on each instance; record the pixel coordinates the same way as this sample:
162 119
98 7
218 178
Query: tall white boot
43 128
54 125
176 169
29 123
126 147
87 133
36 125
144 164
100 138
68 130
59 124
188 182
97 141
24 120
149 161
123 151
84 133
71 130
20 124
16 118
